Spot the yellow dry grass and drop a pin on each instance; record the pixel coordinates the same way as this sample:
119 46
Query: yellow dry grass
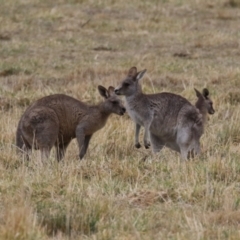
117 191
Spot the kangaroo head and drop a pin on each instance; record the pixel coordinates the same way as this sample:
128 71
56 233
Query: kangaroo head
130 85
112 103
204 100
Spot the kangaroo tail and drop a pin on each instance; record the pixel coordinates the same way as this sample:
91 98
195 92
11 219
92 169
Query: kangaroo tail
19 140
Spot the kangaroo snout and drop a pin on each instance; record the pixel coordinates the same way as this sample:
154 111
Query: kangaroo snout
123 110
212 111
117 91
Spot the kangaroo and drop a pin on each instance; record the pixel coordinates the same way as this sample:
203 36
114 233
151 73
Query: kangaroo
204 103
170 119
56 119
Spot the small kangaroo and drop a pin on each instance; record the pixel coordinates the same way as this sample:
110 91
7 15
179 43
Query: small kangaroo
204 103
168 118
56 119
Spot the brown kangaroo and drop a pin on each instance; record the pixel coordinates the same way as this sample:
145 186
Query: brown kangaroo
56 119
168 118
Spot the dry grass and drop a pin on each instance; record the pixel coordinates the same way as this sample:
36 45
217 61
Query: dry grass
118 192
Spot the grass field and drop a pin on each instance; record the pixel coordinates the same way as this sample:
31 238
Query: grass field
117 191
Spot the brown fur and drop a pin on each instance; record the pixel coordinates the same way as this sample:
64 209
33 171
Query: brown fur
56 119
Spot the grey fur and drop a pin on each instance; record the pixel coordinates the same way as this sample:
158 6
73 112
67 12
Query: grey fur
56 119
169 119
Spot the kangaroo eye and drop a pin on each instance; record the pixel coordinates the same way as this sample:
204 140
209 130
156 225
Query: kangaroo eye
126 84
115 102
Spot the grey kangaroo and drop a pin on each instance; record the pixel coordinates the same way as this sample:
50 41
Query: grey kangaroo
204 103
169 119
56 119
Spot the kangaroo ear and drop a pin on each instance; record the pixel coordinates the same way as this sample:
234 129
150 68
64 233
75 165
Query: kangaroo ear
205 92
132 72
140 74
111 90
103 91
198 93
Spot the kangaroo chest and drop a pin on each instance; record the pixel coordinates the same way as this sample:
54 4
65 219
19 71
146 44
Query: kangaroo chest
94 125
135 114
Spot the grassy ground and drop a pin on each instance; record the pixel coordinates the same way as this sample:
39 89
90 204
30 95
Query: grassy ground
117 191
